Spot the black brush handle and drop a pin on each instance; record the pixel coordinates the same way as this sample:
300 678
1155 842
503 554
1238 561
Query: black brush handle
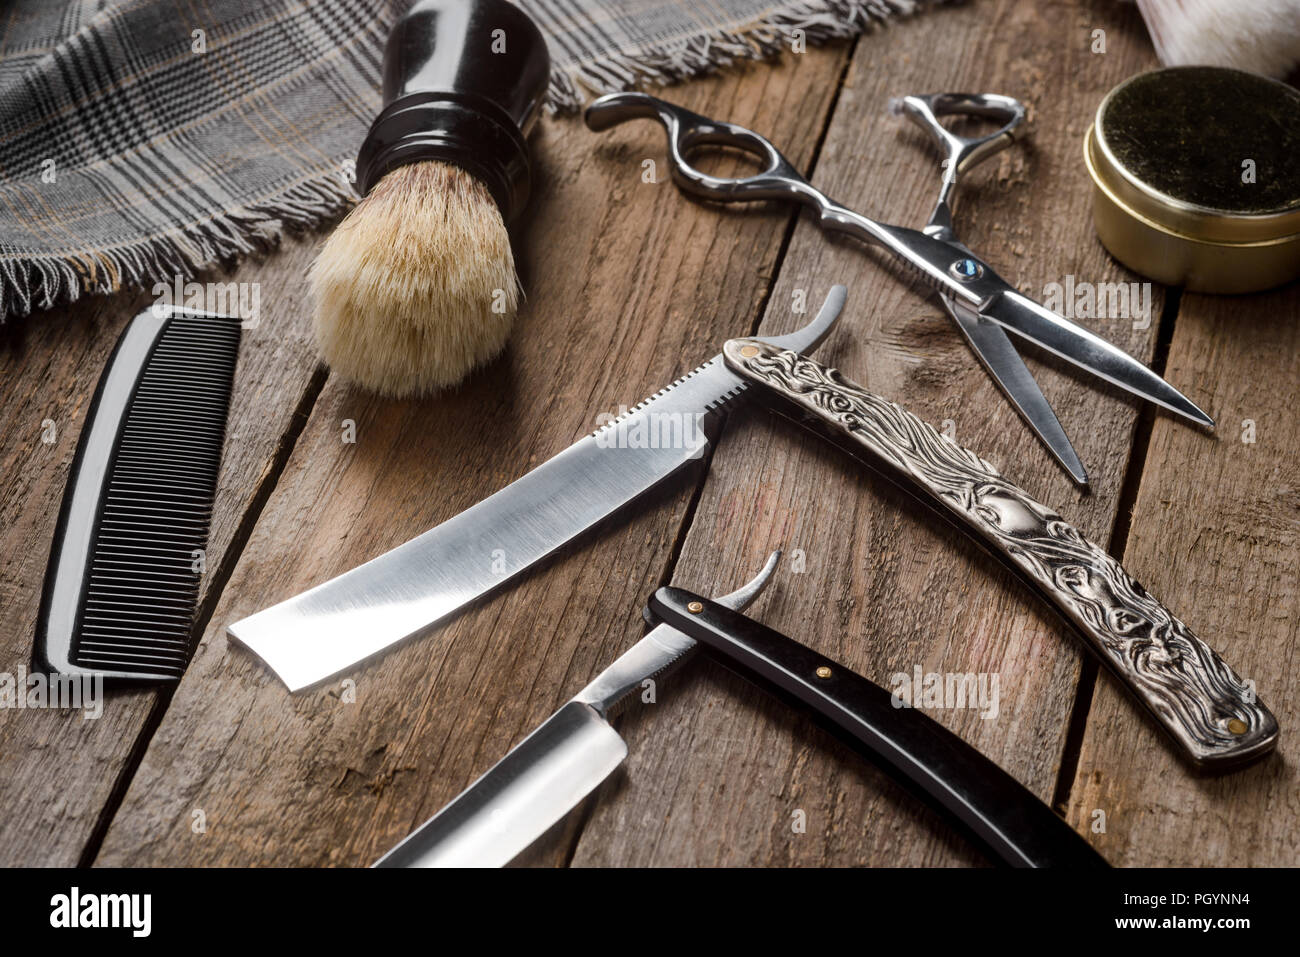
987 804
464 81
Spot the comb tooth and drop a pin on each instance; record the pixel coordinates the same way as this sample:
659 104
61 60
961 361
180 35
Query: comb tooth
194 430
111 581
158 389
162 459
145 664
187 435
172 653
150 634
119 622
119 656
158 450
168 522
161 634
172 649
149 479
123 542
160 598
198 402
120 637
127 507
115 665
140 589
124 617
159 592
118 564
127 497
141 575
145 555
212 354
177 531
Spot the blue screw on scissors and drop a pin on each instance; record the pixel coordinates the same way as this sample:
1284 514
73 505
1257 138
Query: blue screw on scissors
981 303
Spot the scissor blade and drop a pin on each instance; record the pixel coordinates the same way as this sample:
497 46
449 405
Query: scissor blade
1077 345
992 347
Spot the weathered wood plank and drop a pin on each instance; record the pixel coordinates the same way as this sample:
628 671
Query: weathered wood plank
1215 533
717 772
628 286
57 770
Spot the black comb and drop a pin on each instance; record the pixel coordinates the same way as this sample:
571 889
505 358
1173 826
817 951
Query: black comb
124 571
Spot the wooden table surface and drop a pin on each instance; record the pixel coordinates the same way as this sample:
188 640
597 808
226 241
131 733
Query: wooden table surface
629 285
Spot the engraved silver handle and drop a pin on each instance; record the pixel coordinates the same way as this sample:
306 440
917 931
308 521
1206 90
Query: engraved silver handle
1212 714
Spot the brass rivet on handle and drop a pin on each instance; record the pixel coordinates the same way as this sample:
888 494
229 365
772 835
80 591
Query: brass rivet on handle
695 608
749 351
823 672
1237 726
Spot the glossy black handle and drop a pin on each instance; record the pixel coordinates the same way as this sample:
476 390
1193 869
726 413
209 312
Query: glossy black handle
987 804
464 81
489 48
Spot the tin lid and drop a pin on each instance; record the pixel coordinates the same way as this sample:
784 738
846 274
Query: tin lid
1210 153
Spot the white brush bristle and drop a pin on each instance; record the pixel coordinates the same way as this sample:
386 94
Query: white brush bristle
417 286
1262 36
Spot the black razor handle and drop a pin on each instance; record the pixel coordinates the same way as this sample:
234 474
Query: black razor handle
988 805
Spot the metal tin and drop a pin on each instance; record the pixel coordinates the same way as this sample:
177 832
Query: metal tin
1196 178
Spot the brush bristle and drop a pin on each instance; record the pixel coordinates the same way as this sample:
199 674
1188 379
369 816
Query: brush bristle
1262 36
417 286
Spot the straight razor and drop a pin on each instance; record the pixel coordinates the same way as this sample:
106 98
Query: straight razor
335 625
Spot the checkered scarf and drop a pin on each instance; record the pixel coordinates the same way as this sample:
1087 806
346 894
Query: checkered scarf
146 140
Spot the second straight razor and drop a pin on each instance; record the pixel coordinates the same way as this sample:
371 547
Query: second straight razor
554 768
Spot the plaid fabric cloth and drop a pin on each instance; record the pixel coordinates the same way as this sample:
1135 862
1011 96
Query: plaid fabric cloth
142 141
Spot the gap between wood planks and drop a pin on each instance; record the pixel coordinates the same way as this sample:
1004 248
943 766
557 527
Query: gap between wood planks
1119 534
284 450
688 517
203 614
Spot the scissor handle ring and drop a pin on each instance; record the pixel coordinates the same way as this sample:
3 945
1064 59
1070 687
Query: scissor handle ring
688 131
963 152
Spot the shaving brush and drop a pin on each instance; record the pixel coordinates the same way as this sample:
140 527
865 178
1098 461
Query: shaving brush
417 286
1262 36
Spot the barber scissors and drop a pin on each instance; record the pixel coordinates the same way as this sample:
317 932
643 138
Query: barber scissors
982 304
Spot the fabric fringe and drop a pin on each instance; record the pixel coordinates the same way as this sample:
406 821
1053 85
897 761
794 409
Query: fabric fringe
45 281
820 21
28 283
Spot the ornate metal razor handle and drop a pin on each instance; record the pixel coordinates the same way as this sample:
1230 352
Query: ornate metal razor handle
1210 712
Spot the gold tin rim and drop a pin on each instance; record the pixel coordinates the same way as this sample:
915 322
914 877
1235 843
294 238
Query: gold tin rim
1159 209
1121 199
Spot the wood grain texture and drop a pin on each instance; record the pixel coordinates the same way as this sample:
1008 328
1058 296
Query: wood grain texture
716 772
1215 529
58 770
628 287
